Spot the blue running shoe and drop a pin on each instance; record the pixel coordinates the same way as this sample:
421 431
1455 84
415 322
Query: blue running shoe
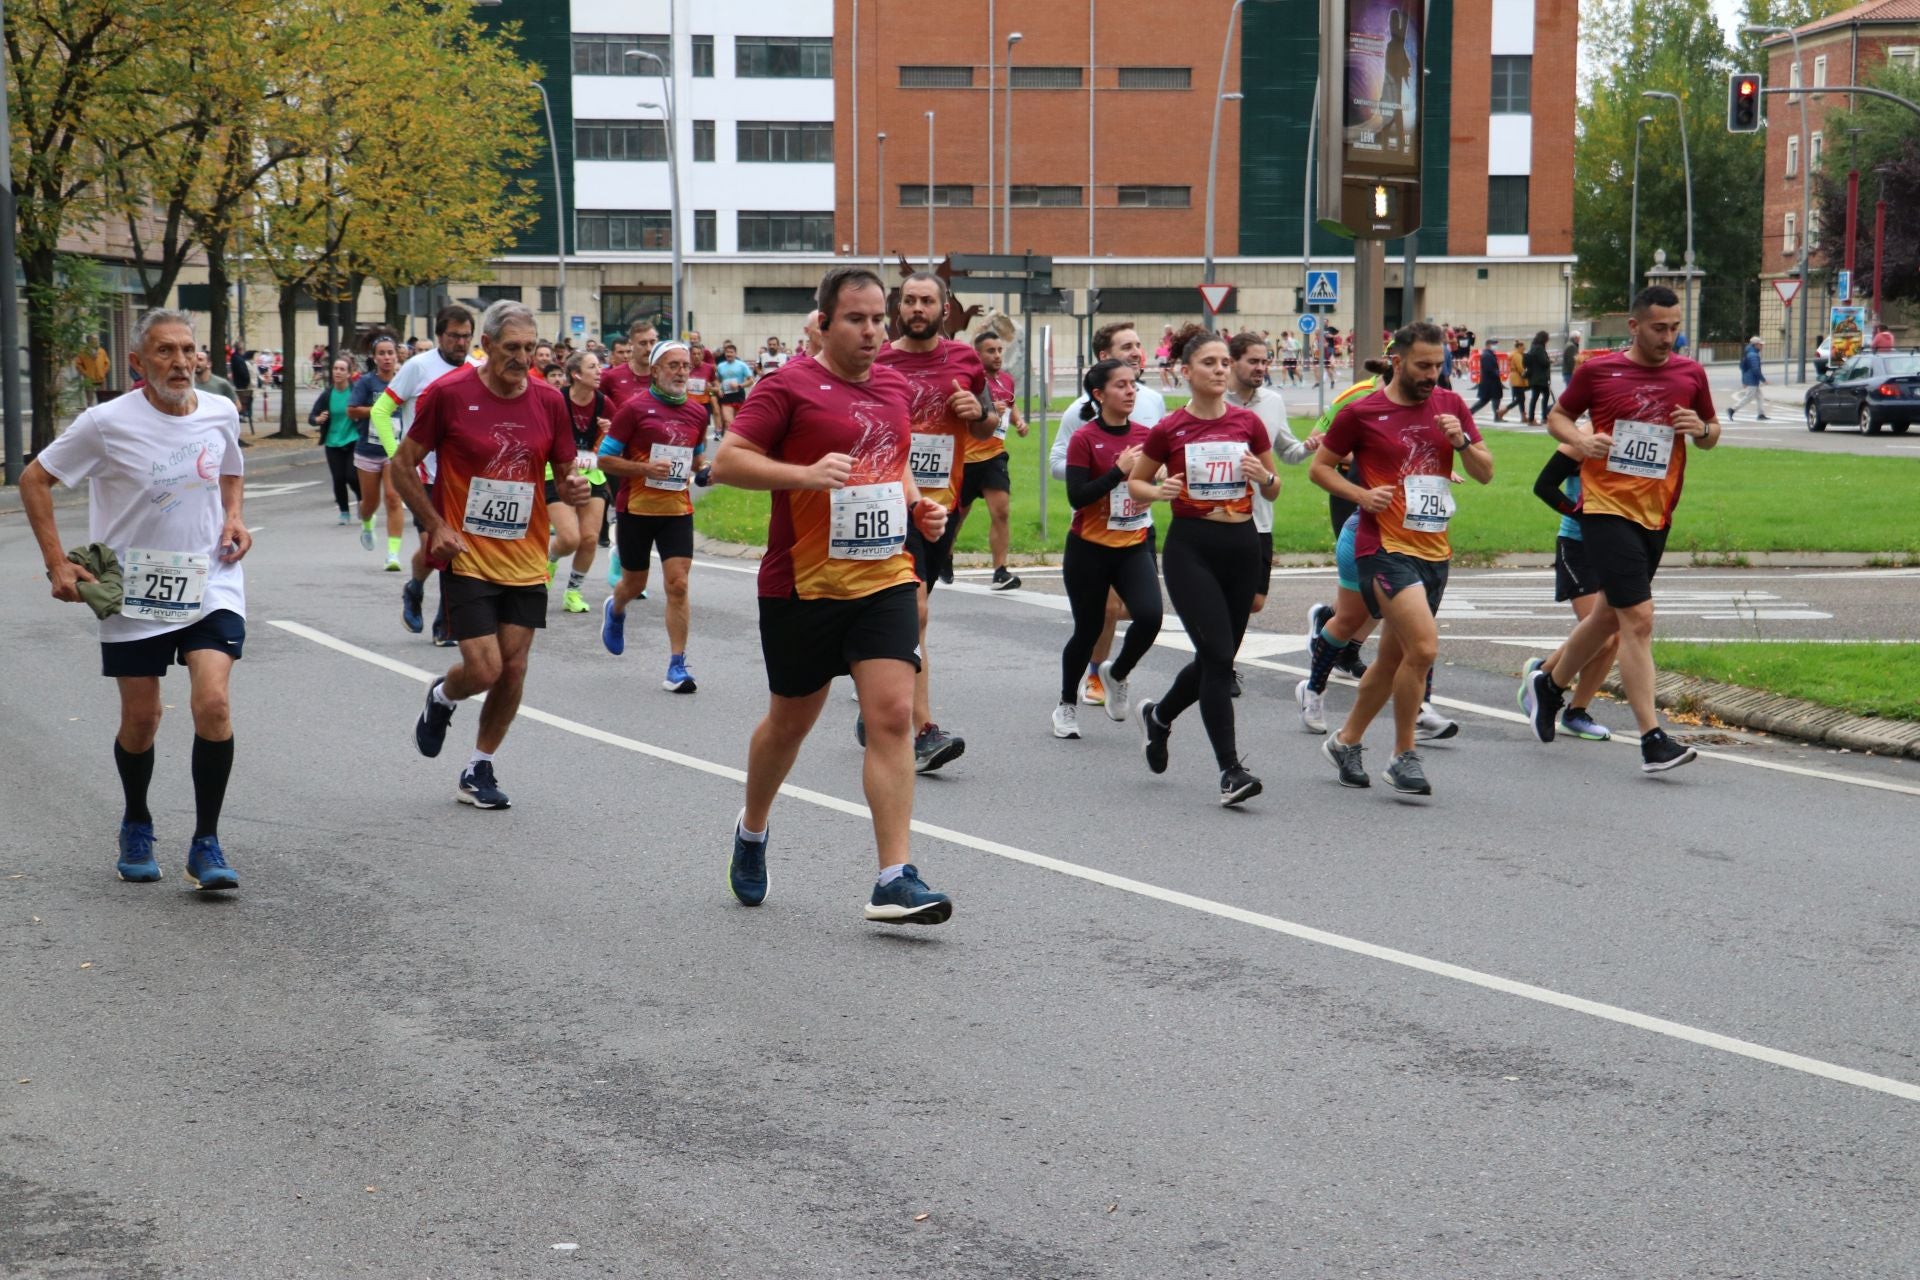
1577 722
413 597
430 731
747 873
366 537
908 901
136 864
1526 678
207 867
478 788
613 570
613 629
679 679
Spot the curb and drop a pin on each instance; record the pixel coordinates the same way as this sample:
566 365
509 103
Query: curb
1788 717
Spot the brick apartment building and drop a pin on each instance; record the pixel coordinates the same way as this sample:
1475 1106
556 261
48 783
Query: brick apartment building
1843 48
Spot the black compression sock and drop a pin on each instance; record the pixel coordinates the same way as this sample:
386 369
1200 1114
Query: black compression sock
212 763
136 771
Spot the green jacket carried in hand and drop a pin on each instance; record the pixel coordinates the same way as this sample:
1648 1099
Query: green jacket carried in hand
104 593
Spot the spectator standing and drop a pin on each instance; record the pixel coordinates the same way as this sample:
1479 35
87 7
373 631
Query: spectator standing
1538 364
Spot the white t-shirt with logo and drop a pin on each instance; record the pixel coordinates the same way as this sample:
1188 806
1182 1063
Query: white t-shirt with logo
413 377
153 484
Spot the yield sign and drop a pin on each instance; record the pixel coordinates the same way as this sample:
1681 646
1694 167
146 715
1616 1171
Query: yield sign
1215 296
1788 291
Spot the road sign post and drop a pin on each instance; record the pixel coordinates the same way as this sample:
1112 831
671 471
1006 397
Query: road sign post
1788 291
1323 289
1214 296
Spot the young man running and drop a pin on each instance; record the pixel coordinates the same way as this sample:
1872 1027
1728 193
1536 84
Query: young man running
163 471
630 377
830 438
496 430
1403 440
986 461
1645 403
453 339
653 449
1117 341
947 382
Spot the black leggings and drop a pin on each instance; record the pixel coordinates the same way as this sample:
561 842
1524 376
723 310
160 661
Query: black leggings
1539 400
1213 573
346 485
1089 571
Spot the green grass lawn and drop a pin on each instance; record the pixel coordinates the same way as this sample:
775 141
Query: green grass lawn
1867 679
1736 500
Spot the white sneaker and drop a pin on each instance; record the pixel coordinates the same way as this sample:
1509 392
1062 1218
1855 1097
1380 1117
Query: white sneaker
1431 726
1119 696
1066 721
1313 711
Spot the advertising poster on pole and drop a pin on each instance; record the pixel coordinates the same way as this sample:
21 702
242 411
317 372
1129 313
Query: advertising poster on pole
1848 333
1383 48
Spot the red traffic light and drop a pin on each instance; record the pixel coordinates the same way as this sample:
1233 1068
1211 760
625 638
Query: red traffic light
1746 88
1743 102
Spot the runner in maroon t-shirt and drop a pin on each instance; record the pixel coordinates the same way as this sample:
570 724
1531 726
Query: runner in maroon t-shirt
987 472
829 438
622 382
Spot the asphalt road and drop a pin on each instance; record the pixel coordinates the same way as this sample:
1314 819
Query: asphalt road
1558 1020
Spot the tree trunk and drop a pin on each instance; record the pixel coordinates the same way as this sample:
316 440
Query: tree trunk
395 321
219 314
349 315
289 329
43 377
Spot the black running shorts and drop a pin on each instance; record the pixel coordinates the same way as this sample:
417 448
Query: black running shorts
807 643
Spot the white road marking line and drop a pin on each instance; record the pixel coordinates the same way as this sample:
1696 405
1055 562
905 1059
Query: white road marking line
277 490
1173 897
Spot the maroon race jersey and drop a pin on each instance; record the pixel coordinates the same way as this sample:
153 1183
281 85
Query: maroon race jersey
1204 452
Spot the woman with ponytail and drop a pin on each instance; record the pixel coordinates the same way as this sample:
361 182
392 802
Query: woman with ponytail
1218 453
1110 546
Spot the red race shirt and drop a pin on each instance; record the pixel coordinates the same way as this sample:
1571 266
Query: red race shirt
1399 445
493 458
700 383
799 414
642 424
939 452
1211 447
1642 477
621 384
1000 389
1097 447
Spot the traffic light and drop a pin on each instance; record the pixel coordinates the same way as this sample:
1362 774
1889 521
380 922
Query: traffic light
1743 102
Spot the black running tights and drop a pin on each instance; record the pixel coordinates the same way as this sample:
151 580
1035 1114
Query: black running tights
346 486
1213 571
1089 571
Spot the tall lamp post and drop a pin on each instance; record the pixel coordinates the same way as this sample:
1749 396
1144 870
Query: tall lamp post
929 190
1686 161
880 203
1213 148
671 115
16 434
1006 156
1633 223
1806 180
559 212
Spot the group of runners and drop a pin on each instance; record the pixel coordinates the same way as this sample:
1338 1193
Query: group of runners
864 445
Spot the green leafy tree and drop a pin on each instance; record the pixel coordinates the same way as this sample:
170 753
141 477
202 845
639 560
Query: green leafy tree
1886 151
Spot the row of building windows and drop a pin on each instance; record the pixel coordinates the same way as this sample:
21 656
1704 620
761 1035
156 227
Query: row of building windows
1816 149
960 76
1790 231
626 230
755 141
961 196
754 57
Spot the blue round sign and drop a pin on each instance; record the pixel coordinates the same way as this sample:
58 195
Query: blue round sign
1309 323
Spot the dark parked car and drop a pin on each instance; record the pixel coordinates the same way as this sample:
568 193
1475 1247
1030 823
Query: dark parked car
1870 391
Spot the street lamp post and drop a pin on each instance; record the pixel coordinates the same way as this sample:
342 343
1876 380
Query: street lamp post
16 435
880 203
1806 180
559 212
1213 148
1686 161
1006 156
1633 224
929 190
671 115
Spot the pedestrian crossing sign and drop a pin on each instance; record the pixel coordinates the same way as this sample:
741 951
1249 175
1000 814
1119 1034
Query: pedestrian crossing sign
1323 288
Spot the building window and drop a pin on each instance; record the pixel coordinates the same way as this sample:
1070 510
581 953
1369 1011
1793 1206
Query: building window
703 139
492 293
936 77
1151 301
783 57
1820 72
1043 77
1793 157
957 196
549 297
706 233
779 300
783 142
1512 85
1793 79
1904 55
786 232
1156 77
703 57
619 140
1154 197
1789 234
1506 206
1046 197
604 55
618 230
1816 145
